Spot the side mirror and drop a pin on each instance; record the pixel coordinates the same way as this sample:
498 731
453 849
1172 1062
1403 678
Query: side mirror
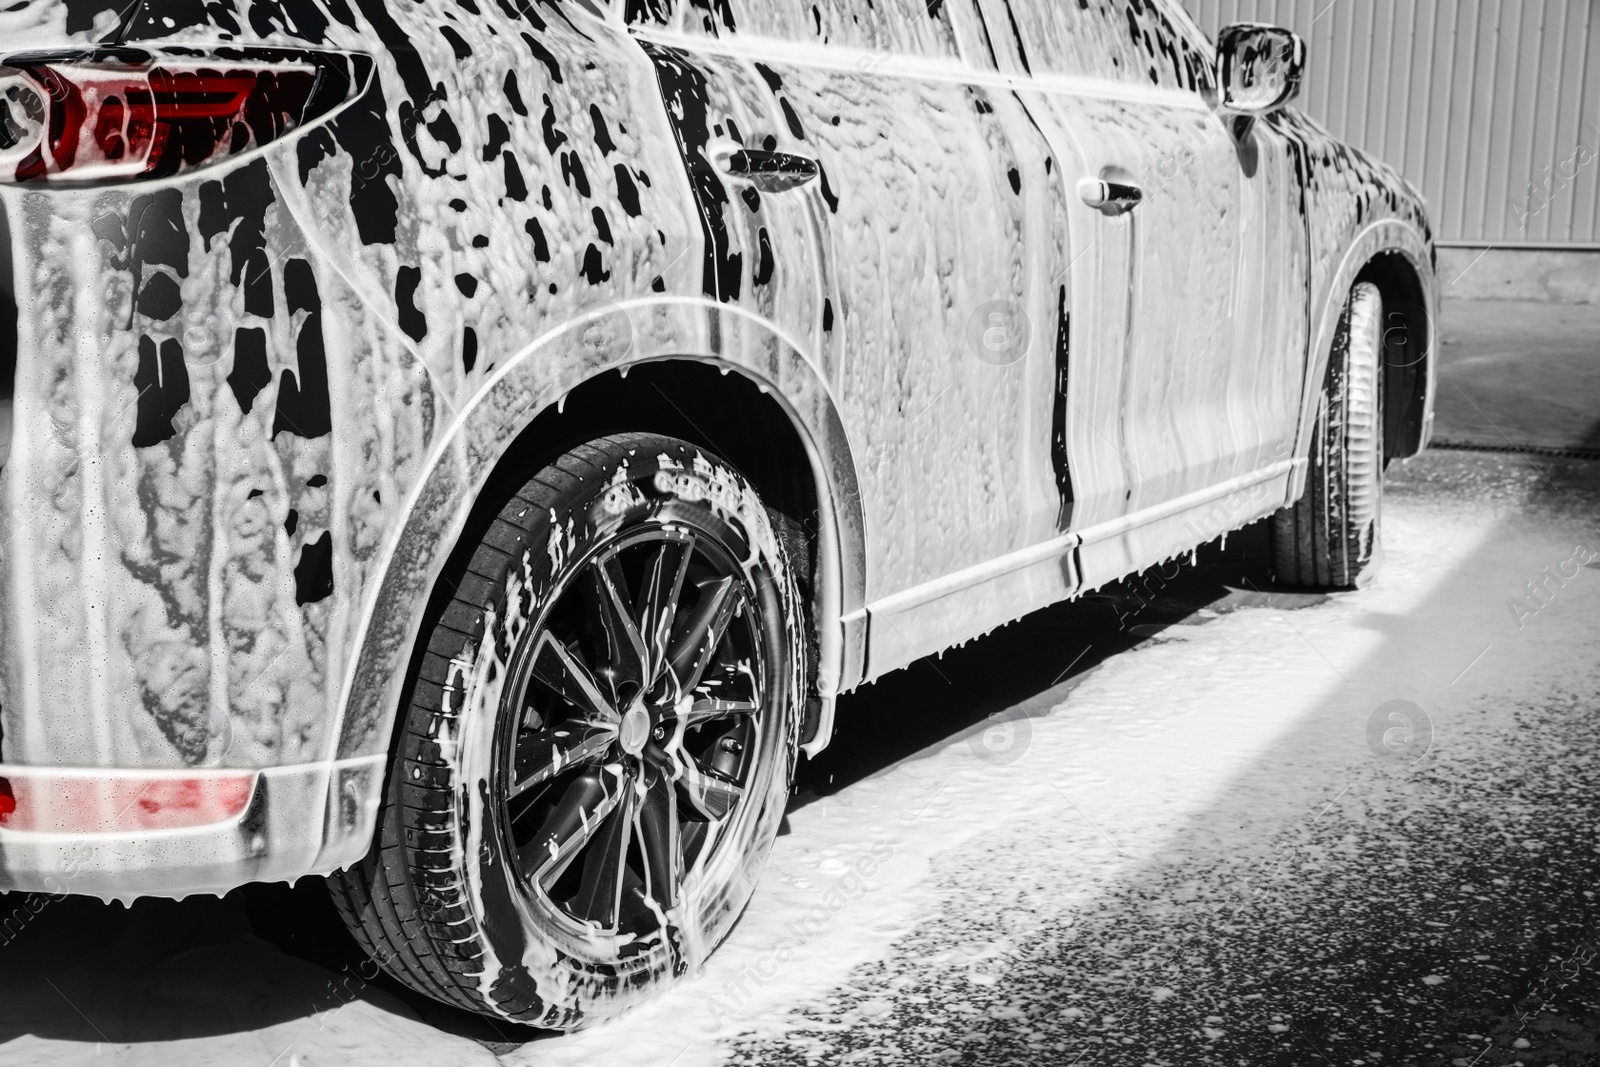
1258 67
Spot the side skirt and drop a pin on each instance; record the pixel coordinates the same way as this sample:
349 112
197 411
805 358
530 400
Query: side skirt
931 617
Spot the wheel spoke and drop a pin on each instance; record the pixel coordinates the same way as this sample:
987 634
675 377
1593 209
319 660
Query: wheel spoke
658 838
544 754
578 816
609 603
658 600
709 793
599 896
692 652
556 666
707 709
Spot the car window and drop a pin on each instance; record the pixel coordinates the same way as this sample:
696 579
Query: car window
1143 43
894 27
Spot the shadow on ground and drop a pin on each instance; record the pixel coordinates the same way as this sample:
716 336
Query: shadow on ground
80 970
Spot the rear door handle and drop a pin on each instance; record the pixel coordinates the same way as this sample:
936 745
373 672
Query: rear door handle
772 172
1110 198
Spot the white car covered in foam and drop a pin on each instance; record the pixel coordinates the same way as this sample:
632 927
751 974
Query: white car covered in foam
464 449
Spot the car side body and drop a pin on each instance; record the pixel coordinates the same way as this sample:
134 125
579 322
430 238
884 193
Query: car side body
256 404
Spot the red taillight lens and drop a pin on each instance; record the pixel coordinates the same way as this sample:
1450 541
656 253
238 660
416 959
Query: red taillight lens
116 114
73 801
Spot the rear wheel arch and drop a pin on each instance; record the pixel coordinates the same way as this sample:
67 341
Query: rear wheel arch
805 472
790 438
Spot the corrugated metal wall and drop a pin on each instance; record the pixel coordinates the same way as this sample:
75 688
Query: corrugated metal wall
1492 107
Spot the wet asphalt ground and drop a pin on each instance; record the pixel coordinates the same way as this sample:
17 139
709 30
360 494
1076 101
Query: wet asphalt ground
1519 371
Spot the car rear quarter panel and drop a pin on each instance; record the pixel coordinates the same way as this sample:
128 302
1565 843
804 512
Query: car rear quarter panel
232 385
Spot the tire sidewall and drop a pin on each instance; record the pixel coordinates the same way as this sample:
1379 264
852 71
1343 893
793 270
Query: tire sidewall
1364 368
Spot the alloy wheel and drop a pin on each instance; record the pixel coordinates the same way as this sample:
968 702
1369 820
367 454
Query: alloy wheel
630 722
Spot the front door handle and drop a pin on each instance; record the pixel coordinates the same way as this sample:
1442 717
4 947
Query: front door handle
771 172
1110 198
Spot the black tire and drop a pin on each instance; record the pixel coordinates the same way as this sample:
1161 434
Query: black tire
1331 537
577 811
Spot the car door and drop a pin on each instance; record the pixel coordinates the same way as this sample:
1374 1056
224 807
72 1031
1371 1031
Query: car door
1187 342
941 293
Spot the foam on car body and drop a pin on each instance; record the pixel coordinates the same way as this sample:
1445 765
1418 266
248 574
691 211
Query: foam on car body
253 360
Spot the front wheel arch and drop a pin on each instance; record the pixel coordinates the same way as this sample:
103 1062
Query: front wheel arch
1391 246
1409 337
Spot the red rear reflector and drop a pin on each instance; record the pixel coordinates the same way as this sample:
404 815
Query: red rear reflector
121 113
120 801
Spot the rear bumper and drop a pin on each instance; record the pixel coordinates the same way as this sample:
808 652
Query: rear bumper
300 819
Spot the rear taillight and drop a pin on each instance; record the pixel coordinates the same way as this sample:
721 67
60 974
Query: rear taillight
52 800
118 113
